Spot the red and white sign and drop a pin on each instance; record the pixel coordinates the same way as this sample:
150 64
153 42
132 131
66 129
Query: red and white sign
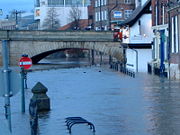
25 62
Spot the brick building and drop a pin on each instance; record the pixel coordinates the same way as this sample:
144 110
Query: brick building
166 27
174 27
108 13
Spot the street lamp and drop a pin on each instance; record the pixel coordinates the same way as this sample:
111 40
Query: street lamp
1 12
16 16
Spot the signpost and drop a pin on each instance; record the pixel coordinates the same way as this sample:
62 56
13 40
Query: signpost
10 81
6 82
117 14
25 63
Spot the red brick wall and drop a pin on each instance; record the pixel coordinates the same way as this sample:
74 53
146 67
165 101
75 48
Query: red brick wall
159 4
110 4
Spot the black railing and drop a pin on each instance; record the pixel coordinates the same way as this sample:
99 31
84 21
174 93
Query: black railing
33 117
119 67
70 121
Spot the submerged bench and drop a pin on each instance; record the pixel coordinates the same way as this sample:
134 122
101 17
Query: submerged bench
70 121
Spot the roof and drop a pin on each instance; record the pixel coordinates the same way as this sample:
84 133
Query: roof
82 23
137 13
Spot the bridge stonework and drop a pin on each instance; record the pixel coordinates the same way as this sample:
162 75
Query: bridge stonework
37 45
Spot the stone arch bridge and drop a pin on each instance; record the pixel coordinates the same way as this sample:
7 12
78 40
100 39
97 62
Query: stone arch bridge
39 44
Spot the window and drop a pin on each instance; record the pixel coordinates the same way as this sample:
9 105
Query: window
77 2
37 3
105 15
175 34
127 1
56 2
105 2
102 2
99 16
96 16
102 15
96 3
127 13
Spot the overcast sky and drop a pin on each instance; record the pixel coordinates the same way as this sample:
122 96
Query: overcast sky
9 5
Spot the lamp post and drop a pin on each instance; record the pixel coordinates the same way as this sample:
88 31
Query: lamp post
16 17
1 12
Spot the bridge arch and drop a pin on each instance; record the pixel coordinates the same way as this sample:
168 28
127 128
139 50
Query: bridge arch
39 49
43 49
35 43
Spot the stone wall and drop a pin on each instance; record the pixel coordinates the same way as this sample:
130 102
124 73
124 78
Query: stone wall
34 48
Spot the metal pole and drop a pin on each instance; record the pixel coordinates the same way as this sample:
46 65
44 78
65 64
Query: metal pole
25 80
101 58
110 59
22 91
100 16
169 42
6 71
92 53
16 17
1 12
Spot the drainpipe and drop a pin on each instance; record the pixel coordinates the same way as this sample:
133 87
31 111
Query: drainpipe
109 14
136 58
169 42
100 8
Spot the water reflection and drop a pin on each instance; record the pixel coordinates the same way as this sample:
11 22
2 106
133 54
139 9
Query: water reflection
164 110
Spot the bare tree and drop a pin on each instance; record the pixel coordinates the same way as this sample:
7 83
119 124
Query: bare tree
51 22
74 16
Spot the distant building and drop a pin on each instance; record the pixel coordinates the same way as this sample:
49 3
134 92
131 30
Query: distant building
20 21
166 39
108 13
6 24
27 22
91 15
137 36
63 8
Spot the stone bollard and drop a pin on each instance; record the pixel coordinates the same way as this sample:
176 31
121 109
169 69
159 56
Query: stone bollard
40 97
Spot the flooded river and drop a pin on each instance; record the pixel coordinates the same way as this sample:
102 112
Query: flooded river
115 103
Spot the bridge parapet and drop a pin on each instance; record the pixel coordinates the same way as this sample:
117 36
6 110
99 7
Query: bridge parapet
39 44
26 35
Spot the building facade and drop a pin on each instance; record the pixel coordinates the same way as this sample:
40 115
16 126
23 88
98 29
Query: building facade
137 37
62 7
6 24
108 13
174 37
166 27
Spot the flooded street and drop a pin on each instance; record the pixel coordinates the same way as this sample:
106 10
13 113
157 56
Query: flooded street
115 103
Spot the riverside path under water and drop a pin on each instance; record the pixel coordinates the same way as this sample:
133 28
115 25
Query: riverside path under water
115 103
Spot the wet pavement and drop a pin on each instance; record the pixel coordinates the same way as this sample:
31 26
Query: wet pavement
115 103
